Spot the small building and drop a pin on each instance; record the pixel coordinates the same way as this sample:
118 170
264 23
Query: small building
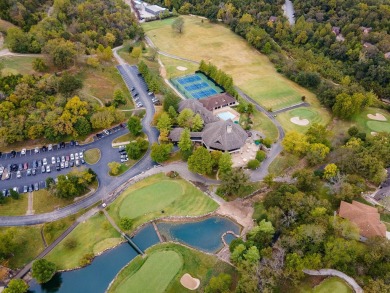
272 18
387 55
365 217
367 45
154 9
198 108
218 101
366 30
336 30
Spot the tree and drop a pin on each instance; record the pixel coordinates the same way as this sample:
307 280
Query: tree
119 98
14 194
68 84
126 223
200 161
262 234
197 123
330 171
43 270
219 284
164 122
253 164
178 25
225 164
61 52
185 143
135 149
353 131
114 168
136 52
295 143
160 152
185 118
318 133
260 155
134 125
234 182
306 180
39 65
82 126
171 99
16 286
317 153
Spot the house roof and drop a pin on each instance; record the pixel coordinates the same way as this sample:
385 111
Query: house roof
387 55
155 8
273 18
198 108
216 101
365 217
224 135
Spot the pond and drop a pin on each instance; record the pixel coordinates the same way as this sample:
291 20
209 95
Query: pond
204 235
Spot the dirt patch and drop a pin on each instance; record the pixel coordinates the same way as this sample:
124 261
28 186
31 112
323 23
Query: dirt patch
302 122
241 211
189 282
181 68
377 117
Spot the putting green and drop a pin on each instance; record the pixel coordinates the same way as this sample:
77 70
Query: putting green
154 275
304 113
378 126
154 197
334 285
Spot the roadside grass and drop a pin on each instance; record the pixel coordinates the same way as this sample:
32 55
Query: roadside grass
44 201
127 137
171 65
314 115
126 55
92 236
102 83
155 274
263 124
53 230
17 64
282 163
196 263
14 207
92 156
30 244
158 196
174 157
216 43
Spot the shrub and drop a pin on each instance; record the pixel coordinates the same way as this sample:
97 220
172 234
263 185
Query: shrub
70 243
86 259
126 223
260 155
43 270
267 142
253 164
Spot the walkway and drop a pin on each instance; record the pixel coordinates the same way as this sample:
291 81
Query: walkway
331 272
303 104
30 206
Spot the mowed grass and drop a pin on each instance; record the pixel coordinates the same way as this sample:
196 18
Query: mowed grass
92 156
16 64
251 71
14 207
368 125
92 236
314 115
44 201
196 263
263 124
171 65
158 196
334 285
127 137
155 274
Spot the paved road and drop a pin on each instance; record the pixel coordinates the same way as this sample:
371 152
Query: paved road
303 104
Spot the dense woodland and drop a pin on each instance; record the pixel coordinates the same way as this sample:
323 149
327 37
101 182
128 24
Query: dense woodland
309 50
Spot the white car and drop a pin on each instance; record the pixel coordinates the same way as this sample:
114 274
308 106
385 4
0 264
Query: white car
76 156
72 157
23 152
48 169
36 150
53 160
66 164
81 155
18 174
50 147
44 161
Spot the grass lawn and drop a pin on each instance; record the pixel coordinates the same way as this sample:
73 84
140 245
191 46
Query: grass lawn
92 156
155 274
102 83
314 115
263 124
368 125
198 264
282 162
44 202
30 244
334 285
15 65
14 207
147 199
172 64
92 236
251 71
127 137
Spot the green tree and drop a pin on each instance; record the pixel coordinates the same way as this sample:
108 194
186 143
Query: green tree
295 143
171 99
16 286
253 164
160 152
262 234
219 284
164 122
260 155
178 25
39 65
197 123
61 52
68 84
317 153
185 144
330 171
43 270
114 168
185 118
135 149
119 98
306 180
136 52
134 125
82 126
126 223
200 161
225 164
234 182
318 133
173 114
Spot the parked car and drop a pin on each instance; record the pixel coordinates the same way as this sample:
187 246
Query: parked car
50 147
58 167
18 174
12 154
66 164
43 169
16 189
82 161
34 172
58 160
36 150
20 168
106 132
76 156
48 169
77 163
25 189
28 172
53 160
44 148
35 164
72 157
25 166
36 186
39 163
81 155
62 165
44 161
63 159
23 152
71 163
67 158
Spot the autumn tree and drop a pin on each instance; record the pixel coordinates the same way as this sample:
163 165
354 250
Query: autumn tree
200 161
61 52
114 168
160 152
178 25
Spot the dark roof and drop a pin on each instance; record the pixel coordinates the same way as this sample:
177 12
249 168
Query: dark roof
198 108
336 30
273 18
224 135
175 133
216 101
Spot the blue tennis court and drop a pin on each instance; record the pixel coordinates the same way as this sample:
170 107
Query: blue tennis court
196 86
203 94
188 79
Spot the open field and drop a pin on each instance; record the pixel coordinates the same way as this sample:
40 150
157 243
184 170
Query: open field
263 124
29 245
198 264
251 71
14 207
172 64
15 65
314 115
44 202
102 83
155 274
92 236
92 156
159 196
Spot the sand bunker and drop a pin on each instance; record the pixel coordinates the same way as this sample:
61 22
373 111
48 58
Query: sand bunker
181 68
189 282
377 116
374 133
302 122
